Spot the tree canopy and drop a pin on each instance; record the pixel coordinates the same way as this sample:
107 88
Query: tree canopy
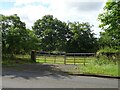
47 34
15 36
110 24
51 32
69 37
82 38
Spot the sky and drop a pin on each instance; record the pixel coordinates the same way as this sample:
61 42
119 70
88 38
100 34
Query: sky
65 10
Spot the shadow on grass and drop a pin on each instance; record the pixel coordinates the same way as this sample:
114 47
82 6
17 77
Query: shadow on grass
33 71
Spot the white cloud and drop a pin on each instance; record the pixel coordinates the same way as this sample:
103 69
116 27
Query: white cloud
26 2
65 10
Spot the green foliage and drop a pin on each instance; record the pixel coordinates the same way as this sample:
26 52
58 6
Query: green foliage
110 23
110 37
15 37
108 50
82 38
103 59
51 32
48 34
108 55
56 35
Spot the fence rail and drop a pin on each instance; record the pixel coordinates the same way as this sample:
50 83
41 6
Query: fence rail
65 58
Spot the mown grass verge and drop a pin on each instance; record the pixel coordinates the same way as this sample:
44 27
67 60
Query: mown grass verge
106 69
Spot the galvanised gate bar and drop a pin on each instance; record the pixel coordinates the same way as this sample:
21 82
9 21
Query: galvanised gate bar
62 58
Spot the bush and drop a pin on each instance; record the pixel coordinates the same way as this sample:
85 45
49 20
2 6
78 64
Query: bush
108 54
102 60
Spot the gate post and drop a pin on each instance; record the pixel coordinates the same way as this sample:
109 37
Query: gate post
33 56
65 59
74 58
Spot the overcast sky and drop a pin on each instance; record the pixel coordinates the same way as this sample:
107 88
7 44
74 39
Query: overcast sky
65 10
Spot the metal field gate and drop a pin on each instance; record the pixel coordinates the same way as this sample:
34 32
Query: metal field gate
64 58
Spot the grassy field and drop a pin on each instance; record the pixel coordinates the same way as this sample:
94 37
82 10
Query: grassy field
62 60
83 65
19 59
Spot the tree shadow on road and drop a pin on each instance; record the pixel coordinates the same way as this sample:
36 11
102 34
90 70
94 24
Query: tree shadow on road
34 71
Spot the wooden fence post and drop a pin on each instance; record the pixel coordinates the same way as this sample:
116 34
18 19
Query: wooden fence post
45 57
65 58
33 56
74 59
84 60
55 59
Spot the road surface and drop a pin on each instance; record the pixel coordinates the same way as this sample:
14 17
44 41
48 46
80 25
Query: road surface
44 76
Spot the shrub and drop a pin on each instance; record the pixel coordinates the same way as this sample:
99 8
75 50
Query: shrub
108 54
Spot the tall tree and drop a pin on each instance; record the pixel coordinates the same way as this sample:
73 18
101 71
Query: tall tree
4 31
15 36
51 32
110 24
12 29
82 38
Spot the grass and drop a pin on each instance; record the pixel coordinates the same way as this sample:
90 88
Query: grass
105 69
19 59
101 67
90 67
60 60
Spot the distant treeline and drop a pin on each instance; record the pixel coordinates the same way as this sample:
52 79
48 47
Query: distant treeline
48 34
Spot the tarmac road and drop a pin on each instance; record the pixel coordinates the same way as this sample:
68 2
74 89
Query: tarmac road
24 80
